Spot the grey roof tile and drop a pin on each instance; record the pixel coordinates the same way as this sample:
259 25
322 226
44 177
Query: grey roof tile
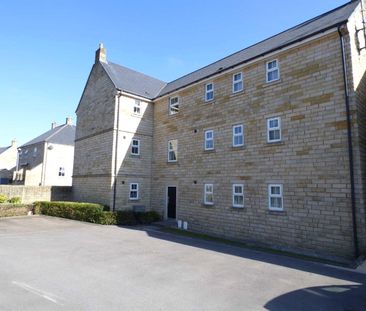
2 149
63 134
132 81
309 28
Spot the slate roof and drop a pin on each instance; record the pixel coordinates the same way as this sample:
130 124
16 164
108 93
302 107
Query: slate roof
307 29
2 149
63 135
139 84
132 81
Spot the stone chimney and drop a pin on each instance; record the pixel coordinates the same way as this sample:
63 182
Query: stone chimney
69 121
53 125
13 143
101 54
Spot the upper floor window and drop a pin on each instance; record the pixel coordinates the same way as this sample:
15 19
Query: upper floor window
238 195
238 135
173 105
209 92
172 150
61 171
209 140
35 151
273 130
208 194
275 199
238 84
134 191
26 151
273 71
135 148
137 107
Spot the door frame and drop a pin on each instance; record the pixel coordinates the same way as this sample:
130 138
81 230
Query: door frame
167 201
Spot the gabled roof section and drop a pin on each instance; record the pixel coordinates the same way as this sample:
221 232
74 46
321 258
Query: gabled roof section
132 81
62 135
300 32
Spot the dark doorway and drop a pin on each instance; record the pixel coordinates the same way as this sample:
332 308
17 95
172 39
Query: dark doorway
172 202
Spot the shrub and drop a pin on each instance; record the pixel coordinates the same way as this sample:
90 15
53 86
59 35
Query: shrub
89 212
108 218
8 210
126 218
15 200
3 198
147 217
93 213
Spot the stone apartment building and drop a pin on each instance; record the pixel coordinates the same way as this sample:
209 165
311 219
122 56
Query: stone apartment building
47 160
8 160
266 145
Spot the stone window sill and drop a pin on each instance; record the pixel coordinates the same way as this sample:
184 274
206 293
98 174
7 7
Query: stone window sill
268 84
277 213
242 92
207 205
238 148
275 143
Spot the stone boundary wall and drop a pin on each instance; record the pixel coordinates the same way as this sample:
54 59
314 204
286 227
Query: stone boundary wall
29 194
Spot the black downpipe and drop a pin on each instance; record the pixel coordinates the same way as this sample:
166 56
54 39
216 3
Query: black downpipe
115 157
350 147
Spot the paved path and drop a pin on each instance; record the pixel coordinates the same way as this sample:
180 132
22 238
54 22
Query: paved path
55 264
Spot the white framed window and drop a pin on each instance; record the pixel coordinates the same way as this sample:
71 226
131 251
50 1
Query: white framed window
208 194
275 199
209 92
209 140
137 107
135 147
238 195
134 191
238 135
26 151
272 71
238 84
273 130
173 105
173 150
61 172
35 152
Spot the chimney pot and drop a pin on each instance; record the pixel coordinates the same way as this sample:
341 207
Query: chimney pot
13 143
101 54
69 120
53 125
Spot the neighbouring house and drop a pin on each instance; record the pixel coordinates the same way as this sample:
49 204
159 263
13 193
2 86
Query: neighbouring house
8 160
47 160
267 145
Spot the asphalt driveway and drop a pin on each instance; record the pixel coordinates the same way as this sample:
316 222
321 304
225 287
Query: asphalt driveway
55 264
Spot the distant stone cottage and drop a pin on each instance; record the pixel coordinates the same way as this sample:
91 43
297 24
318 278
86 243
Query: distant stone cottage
266 145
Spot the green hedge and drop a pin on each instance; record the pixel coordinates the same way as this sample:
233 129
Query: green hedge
88 212
94 213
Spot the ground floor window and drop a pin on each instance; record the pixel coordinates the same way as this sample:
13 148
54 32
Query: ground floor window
238 195
134 191
275 197
208 194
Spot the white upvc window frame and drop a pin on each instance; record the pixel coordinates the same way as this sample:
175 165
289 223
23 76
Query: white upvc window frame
134 188
273 69
137 107
275 195
238 82
238 194
171 150
272 129
212 90
238 135
136 146
174 105
208 191
35 149
209 139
